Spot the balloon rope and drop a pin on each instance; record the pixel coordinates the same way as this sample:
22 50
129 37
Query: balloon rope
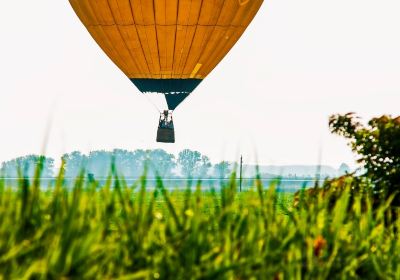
152 103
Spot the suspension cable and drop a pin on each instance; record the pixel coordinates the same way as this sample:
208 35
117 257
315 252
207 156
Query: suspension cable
152 103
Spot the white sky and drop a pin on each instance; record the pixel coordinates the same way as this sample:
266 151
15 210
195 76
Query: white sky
298 62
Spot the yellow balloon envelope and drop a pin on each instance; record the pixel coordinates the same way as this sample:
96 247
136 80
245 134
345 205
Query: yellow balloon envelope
166 46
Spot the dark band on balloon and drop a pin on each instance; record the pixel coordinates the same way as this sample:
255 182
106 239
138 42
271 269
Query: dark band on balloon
175 90
166 86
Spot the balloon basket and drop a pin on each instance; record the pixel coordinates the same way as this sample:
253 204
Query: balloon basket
166 131
165 135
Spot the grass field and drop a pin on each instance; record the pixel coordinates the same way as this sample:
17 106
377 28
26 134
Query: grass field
115 231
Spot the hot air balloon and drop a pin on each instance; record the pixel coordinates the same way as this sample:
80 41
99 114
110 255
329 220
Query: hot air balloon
166 47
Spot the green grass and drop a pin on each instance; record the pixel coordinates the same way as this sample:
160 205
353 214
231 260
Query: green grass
87 231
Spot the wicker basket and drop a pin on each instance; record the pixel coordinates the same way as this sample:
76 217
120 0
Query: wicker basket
166 135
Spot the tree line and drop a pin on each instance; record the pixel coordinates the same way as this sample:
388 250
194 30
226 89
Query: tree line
187 164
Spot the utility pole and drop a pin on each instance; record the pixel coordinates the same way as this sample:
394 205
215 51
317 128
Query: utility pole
241 169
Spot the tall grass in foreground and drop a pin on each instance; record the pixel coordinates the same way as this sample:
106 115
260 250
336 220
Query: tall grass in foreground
116 231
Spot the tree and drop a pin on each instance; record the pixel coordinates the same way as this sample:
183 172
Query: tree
378 149
127 163
130 164
162 163
139 161
124 162
203 167
99 163
74 164
188 160
222 169
28 165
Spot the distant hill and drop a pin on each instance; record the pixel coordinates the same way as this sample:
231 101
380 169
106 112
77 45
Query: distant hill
292 171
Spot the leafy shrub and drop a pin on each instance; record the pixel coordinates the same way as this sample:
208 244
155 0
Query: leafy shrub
378 148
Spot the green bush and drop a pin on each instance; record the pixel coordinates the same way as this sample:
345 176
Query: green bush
378 148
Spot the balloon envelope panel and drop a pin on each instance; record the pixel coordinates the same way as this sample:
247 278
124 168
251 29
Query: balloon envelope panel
166 39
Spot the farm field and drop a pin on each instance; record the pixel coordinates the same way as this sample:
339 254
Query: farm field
199 139
120 231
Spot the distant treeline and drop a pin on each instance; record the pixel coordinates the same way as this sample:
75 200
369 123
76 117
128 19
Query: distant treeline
128 163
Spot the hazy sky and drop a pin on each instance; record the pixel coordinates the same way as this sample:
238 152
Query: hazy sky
298 63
